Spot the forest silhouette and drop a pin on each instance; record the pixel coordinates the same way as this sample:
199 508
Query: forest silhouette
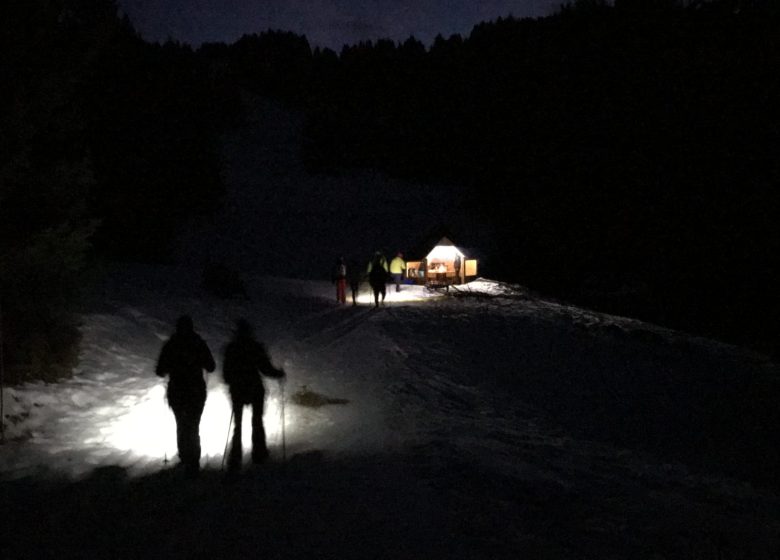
625 153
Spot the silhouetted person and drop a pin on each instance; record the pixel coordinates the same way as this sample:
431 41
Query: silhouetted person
245 360
340 280
377 276
397 268
456 265
354 276
183 357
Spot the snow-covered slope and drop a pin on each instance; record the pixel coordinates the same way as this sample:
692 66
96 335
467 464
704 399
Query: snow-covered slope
485 425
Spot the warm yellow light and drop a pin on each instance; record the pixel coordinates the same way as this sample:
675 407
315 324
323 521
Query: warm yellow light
444 253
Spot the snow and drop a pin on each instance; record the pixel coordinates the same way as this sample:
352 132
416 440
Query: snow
446 445
483 422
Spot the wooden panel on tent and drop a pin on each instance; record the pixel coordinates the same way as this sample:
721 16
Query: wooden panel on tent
470 270
414 271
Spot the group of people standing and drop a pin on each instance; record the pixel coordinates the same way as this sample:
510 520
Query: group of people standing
184 357
377 272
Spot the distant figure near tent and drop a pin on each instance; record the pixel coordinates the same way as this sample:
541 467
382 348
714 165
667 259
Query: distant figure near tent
340 280
397 269
245 360
377 276
184 357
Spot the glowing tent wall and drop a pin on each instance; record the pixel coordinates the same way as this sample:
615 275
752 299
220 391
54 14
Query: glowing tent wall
444 265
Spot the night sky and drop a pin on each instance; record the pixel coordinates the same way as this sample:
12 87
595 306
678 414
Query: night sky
326 23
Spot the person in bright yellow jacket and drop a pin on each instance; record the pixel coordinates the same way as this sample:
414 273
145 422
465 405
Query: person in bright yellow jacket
397 268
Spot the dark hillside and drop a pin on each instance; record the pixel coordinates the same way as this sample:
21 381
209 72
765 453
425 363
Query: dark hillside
107 145
627 153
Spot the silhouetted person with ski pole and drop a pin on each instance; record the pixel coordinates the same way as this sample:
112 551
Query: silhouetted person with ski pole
183 358
377 276
245 360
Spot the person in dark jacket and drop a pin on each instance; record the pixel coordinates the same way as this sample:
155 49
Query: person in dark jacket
183 358
355 276
245 360
377 276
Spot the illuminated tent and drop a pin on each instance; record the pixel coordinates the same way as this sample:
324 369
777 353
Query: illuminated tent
444 264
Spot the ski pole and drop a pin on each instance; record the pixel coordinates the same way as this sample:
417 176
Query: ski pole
227 440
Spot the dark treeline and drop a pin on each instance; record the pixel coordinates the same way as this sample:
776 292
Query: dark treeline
106 145
627 152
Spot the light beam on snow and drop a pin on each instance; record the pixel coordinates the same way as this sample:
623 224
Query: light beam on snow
408 293
216 417
145 428
148 429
